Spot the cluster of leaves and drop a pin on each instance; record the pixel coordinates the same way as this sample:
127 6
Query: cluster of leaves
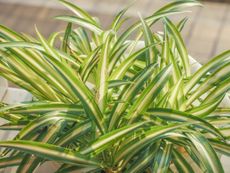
105 103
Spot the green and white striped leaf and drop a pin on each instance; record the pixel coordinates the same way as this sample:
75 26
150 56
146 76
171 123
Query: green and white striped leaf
30 162
81 22
121 70
181 163
111 137
172 115
42 107
140 141
102 71
180 46
144 161
208 155
73 134
66 37
221 147
211 66
50 152
78 11
51 118
128 94
151 55
117 21
170 9
163 158
148 94
81 91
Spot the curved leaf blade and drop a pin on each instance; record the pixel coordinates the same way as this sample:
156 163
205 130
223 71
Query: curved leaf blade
50 152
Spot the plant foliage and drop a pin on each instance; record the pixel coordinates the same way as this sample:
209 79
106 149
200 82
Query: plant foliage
103 102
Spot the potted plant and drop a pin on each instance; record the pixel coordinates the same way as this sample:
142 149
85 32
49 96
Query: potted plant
105 103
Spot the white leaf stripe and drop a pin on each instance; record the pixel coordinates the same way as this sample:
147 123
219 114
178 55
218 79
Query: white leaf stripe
49 151
169 9
103 73
74 133
44 120
148 41
208 155
212 65
120 71
148 94
140 141
129 93
82 22
42 107
180 46
110 137
181 163
163 158
80 90
169 114
78 11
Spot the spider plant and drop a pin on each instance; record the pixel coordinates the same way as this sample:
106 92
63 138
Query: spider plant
103 103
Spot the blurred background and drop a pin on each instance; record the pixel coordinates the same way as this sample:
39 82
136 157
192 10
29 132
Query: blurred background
206 33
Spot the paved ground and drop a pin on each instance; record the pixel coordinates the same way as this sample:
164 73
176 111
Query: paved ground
207 32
